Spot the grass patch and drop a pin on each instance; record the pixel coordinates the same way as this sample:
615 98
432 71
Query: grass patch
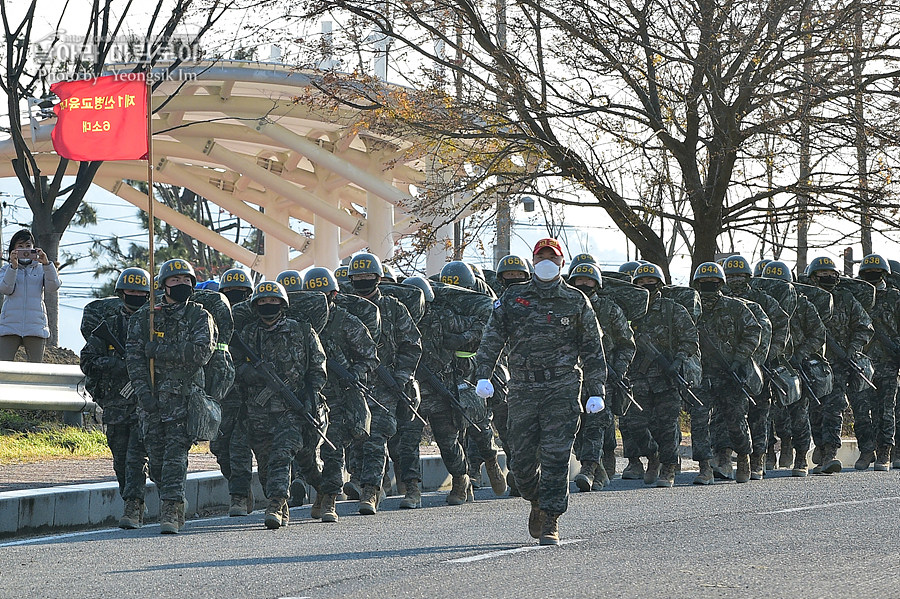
52 443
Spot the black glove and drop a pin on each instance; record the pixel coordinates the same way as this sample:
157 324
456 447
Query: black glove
675 366
148 402
454 341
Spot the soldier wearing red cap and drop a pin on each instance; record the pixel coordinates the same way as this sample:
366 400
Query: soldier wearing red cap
554 343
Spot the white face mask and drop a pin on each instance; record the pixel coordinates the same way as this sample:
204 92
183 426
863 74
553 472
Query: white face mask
546 270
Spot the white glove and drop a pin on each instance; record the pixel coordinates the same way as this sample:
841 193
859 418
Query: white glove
484 389
594 404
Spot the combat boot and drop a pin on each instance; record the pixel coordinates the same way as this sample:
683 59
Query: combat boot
329 510
413 497
475 476
511 483
705 476
352 489
535 520
315 511
168 518
722 468
895 457
829 464
495 475
742 474
368 500
756 466
771 459
285 514
181 508
883 458
550 529
666 476
133 516
652 471
459 492
239 506
609 463
297 493
817 456
601 478
585 477
634 470
787 453
800 466
274 512
865 458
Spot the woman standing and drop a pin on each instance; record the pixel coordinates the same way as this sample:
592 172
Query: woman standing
23 319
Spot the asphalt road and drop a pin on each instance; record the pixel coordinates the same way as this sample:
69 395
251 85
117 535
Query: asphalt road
823 536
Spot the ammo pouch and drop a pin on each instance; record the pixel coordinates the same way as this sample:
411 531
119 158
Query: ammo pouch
219 373
472 406
820 375
864 362
786 387
204 415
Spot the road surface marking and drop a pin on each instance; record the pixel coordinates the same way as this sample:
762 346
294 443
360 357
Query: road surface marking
492 554
824 505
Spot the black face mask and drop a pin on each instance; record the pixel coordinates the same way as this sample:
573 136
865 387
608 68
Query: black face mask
828 283
268 311
180 293
708 286
135 301
364 286
236 296
872 276
588 291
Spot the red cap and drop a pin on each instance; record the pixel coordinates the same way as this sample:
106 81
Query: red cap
548 242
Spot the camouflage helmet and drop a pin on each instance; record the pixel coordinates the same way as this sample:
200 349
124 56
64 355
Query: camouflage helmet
629 267
290 280
269 289
387 272
476 270
423 284
874 262
458 273
176 266
776 269
512 263
586 269
736 265
581 259
365 264
235 277
822 264
341 273
319 279
133 279
648 270
709 270
759 270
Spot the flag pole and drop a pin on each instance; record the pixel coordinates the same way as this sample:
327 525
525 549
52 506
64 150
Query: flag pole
150 227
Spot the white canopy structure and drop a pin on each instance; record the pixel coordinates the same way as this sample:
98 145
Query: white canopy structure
260 141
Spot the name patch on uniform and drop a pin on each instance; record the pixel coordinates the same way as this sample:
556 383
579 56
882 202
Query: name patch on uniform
523 301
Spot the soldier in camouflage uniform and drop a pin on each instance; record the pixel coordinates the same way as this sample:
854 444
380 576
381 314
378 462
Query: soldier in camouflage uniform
666 328
184 337
399 350
349 346
737 278
618 346
106 379
873 410
807 339
851 329
554 342
729 333
634 440
276 429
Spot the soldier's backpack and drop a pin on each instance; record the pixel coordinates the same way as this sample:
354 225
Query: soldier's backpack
783 292
863 291
219 371
96 312
687 297
463 301
819 298
364 310
411 297
615 275
632 299
311 306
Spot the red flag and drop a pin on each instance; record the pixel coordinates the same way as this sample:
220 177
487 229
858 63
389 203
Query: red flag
104 118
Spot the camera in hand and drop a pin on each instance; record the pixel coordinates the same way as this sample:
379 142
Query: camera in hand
25 254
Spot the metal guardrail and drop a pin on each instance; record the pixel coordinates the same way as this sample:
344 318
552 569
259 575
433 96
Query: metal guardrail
30 386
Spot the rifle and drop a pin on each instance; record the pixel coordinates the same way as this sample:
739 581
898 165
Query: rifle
103 333
726 366
340 371
390 382
625 388
807 383
888 343
274 382
832 347
771 375
660 359
427 376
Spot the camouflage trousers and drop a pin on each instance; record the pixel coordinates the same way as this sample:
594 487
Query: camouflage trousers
232 449
873 410
636 439
479 444
167 445
306 464
656 429
758 421
827 419
340 433
275 438
368 466
447 432
792 421
129 457
403 447
542 423
591 436
730 408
